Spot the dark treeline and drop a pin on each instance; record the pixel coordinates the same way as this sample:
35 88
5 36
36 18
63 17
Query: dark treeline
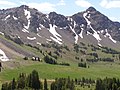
32 82
108 84
82 65
63 84
100 59
51 60
24 82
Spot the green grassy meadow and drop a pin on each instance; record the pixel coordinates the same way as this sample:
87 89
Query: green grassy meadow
99 70
96 70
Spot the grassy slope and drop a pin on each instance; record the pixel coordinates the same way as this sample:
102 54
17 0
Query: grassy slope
99 70
96 70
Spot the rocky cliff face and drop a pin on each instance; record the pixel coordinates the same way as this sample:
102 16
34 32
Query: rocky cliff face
33 27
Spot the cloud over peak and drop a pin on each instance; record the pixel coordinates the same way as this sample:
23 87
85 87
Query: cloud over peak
110 4
83 3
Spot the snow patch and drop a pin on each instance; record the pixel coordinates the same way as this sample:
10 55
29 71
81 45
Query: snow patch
15 18
88 33
47 16
81 33
102 31
28 16
24 30
61 28
55 34
69 19
98 32
88 16
39 35
48 39
2 33
74 24
38 29
99 44
76 36
54 39
65 27
95 35
31 38
110 37
42 26
3 56
38 43
18 37
8 16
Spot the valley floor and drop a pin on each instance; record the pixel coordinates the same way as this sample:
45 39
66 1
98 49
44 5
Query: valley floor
95 70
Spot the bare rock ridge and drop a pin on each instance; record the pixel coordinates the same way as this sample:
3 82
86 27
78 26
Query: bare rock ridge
30 26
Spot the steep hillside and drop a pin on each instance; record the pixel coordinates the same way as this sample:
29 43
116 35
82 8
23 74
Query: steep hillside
22 27
31 26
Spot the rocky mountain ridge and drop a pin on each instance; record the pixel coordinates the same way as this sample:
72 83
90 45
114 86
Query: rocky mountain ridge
30 26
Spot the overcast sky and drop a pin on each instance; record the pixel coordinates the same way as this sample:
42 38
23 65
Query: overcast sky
110 8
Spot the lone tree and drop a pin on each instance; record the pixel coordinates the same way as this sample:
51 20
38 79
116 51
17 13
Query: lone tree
35 80
45 85
0 66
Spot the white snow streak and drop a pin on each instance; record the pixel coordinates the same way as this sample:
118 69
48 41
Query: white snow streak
54 39
28 16
39 35
31 38
42 26
99 44
3 56
8 16
15 18
39 43
110 37
55 34
81 33
48 39
1 33
102 31
76 36
24 30
96 35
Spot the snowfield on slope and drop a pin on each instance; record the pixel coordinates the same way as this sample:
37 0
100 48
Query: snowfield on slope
28 16
110 37
3 56
95 34
55 34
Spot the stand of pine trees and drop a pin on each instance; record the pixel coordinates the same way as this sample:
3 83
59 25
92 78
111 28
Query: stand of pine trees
63 84
108 84
24 82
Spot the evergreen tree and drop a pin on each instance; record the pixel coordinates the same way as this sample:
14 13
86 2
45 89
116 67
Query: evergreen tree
13 84
4 86
21 81
45 85
0 64
35 80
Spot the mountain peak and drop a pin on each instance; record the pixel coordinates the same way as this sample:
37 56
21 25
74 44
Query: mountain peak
24 6
91 9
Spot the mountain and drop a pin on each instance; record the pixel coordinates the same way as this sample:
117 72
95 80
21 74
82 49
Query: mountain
25 25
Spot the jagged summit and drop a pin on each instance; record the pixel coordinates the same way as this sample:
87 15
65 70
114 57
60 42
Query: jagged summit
33 27
24 6
91 9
